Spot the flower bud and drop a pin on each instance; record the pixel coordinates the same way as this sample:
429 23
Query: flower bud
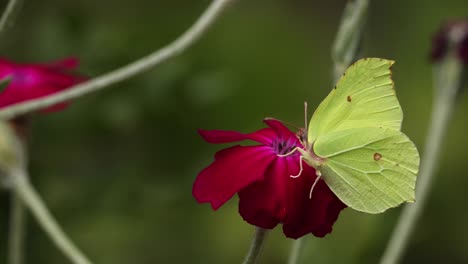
451 35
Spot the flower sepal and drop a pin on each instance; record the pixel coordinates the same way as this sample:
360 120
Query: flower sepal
11 152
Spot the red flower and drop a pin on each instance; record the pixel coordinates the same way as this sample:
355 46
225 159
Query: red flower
29 81
268 195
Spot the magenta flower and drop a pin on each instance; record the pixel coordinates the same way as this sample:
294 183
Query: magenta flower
29 81
268 195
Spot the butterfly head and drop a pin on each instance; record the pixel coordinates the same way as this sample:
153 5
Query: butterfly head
301 134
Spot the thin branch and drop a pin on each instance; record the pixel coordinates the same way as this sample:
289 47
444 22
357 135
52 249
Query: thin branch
348 38
21 186
16 230
256 246
9 14
344 52
18 215
447 81
125 72
296 250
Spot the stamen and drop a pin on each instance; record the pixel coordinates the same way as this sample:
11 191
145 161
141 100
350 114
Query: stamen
289 153
300 169
313 185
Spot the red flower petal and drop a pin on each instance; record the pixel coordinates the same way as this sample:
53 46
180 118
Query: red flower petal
305 215
264 136
263 203
233 169
69 63
280 129
30 81
267 193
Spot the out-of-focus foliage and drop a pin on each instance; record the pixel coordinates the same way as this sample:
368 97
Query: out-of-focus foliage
117 167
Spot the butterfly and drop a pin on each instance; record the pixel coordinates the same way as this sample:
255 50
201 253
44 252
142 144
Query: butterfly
354 140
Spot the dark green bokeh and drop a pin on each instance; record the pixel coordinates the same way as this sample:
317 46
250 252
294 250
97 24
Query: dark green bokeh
116 168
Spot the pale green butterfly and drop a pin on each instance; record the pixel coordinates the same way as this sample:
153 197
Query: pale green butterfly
355 144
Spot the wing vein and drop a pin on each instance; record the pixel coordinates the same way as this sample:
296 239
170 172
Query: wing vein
350 185
370 88
385 110
354 148
372 182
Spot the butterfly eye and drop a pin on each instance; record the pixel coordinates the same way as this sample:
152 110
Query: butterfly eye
302 135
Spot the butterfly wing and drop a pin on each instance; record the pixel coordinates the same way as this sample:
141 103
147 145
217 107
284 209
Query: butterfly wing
363 97
369 169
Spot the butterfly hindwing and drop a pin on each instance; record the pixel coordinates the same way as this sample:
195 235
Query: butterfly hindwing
370 169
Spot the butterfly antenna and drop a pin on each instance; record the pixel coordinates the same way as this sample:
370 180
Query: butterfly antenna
305 116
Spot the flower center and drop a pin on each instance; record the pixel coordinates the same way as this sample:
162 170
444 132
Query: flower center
282 146
23 76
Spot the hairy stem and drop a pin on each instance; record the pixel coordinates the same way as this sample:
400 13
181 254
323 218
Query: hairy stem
296 250
446 83
9 14
173 49
348 38
23 189
344 52
256 246
17 230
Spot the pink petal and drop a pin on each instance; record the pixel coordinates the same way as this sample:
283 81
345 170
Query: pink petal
6 67
280 129
69 63
263 203
264 136
233 169
32 81
316 215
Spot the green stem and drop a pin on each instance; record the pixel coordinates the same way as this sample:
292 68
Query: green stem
256 246
344 52
9 14
296 250
349 36
447 82
17 230
21 186
144 64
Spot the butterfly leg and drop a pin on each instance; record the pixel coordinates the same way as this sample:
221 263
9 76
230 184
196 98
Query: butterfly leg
313 185
300 169
289 153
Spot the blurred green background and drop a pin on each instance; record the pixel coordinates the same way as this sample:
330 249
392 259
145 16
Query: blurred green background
116 168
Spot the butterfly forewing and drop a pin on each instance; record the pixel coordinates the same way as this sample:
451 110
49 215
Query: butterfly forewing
363 97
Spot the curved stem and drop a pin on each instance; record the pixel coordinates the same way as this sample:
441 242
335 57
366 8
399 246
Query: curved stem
17 230
8 14
125 72
256 246
32 200
348 38
447 82
344 51
296 250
